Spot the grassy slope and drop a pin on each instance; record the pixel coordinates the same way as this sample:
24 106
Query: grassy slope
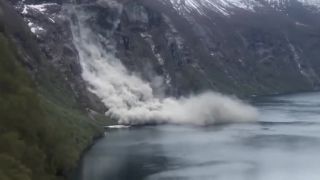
42 128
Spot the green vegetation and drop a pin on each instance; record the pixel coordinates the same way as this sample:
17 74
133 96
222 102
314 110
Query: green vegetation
41 135
43 129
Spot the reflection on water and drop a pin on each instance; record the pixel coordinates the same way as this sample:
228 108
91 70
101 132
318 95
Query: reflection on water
283 145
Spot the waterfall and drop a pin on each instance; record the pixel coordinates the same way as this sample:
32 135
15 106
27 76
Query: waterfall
130 99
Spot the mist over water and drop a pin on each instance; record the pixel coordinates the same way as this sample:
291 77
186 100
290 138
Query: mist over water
132 100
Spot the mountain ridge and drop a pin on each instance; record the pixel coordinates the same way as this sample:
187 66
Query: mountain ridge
213 35
172 50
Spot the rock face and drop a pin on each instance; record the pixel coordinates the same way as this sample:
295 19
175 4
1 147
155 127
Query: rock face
241 47
249 46
52 32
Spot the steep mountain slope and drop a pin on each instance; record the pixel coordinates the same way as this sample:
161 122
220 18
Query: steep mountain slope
242 47
43 128
248 46
164 47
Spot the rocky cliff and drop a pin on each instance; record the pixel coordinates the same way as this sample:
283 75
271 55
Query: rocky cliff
65 63
242 47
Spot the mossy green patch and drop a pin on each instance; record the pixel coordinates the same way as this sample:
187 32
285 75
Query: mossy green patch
42 130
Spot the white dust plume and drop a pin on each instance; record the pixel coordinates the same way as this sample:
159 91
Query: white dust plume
131 100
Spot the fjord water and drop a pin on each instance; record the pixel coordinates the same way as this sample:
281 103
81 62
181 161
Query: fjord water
283 145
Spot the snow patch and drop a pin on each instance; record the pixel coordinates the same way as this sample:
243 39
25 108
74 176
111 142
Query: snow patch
226 7
35 29
221 6
283 3
25 10
315 3
33 10
41 7
51 20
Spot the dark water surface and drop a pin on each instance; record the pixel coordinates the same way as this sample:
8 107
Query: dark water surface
283 145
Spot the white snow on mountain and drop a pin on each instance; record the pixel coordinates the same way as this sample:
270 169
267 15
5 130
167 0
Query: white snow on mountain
226 7
30 12
35 29
38 7
278 3
315 3
221 6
